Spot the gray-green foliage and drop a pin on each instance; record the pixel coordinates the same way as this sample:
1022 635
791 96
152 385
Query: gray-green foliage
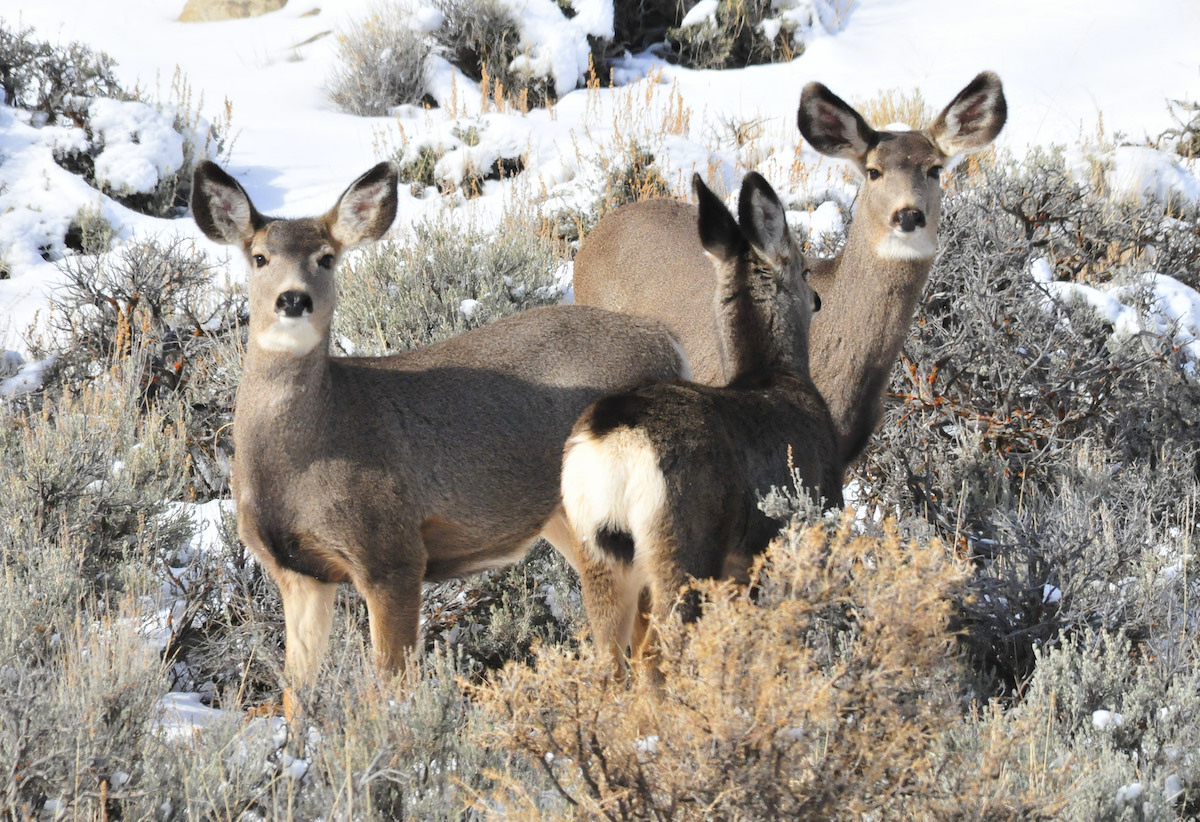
157 304
399 294
381 64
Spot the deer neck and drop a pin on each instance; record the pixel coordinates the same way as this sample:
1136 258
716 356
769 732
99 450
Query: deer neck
867 307
280 390
747 341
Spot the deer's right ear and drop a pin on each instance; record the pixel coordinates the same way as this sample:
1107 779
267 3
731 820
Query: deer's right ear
720 234
831 126
221 207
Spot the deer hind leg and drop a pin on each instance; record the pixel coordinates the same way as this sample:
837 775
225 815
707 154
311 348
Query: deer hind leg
610 596
394 613
308 616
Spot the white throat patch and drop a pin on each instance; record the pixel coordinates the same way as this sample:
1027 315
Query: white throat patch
908 245
289 335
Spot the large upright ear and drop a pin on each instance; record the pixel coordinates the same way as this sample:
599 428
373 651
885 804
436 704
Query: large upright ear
763 219
719 232
973 118
221 207
831 127
366 209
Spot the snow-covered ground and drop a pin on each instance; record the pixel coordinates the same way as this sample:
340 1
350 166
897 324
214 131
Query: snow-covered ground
1070 68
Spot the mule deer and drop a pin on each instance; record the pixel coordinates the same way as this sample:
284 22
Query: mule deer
644 258
660 483
388 471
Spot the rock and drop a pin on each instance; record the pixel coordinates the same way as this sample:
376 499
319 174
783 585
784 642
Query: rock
197 11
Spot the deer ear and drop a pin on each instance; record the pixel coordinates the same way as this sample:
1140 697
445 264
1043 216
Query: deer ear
763 220
973 118
719 231
832 127
366 209
221 207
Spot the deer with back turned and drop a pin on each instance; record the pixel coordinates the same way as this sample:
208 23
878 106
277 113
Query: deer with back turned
645 258
389 471
661 483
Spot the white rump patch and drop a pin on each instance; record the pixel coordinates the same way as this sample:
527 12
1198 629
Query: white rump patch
289 335
612 482
908 245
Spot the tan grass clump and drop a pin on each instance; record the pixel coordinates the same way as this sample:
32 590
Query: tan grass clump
817 695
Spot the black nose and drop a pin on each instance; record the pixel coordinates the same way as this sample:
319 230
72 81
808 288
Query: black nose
293 303
816 302
909 219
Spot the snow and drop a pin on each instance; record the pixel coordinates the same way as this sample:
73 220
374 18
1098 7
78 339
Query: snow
703 12
1103 720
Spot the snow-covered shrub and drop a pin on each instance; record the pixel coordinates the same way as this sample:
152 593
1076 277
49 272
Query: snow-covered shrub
483 39
817 696
717 34
456 157
140 154
443 279
381 64
53 82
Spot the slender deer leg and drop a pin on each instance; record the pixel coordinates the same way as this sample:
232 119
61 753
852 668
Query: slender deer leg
641 624
610 595
308 615
394 610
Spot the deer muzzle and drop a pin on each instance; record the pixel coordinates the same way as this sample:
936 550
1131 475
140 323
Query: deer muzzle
909 219
293 304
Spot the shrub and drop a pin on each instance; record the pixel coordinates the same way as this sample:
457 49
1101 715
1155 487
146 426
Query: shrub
53 82
441 281
381 64
1022 428
73 86
814 697
482 38
741 33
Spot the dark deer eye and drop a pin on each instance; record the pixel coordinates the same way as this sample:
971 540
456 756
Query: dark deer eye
259 260
874 174
935 172
326 262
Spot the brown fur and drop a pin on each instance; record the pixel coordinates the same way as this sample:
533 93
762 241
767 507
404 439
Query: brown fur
661 483
388 471
645 258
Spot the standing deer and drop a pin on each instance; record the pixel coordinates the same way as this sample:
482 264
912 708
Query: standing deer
644 258
389 471
661 482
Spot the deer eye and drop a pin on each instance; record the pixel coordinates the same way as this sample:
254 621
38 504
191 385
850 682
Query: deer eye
874 174
259 260
935 172
326 262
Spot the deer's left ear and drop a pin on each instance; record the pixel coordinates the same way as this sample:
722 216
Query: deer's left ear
366 209
763 219
974 117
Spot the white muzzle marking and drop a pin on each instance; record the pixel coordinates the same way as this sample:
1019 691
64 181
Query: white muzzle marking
290 335
908 245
